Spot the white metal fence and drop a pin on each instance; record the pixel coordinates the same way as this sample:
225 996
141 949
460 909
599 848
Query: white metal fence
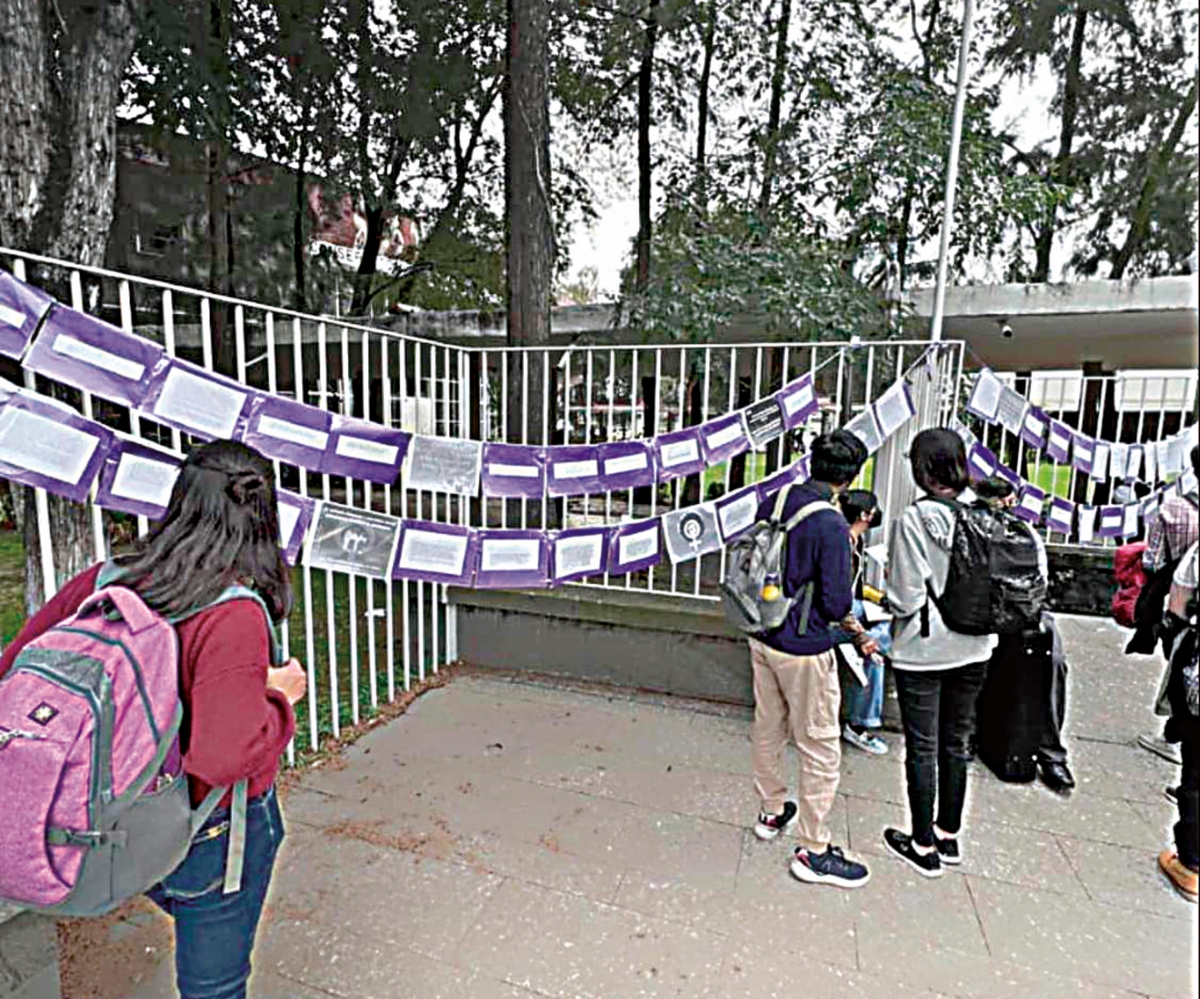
363 639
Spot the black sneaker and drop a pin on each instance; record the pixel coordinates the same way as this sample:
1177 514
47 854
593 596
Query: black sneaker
1171 794
928 865
770 826
947 849
828 868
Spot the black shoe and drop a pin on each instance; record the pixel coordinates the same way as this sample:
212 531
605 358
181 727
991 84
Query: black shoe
770 826
1057 777
1171 794
948 850
928 865
828 868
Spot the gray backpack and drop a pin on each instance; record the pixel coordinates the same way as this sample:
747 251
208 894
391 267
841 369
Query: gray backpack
752 590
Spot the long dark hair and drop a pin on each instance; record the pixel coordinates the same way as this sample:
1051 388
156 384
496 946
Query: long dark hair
221 529
939 461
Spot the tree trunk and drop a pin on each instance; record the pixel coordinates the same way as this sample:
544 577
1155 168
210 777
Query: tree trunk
301 208
1139 224
59 89
370 258
778 78
531 248
645 120
1061 169
709 43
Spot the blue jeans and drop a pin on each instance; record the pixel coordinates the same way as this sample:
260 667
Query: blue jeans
865 704
214 932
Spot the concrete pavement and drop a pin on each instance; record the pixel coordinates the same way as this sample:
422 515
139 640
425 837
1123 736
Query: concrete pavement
507 839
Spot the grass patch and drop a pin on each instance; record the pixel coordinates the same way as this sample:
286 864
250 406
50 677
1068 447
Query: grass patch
12 585
1054 479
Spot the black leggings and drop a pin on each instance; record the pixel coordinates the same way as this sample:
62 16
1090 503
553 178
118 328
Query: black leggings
937 708
1187 831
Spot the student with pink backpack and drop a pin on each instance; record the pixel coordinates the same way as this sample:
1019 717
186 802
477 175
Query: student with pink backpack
142 720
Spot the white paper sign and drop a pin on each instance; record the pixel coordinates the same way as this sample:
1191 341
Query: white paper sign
144 479
1118 460
626 463
853 660
293 433
680 453
637 546
68 346
863 427
1061 440
893 410
11 317
737 515
1130 525
1100 462
199 404
793 402
576 469
1162 455
985 396
45 446
289 514
1031 503
509 554
499 470
1087 524
577 554
441 464
362 449
432 551
726 435
1035 424
1133 464
1150 458
1011 411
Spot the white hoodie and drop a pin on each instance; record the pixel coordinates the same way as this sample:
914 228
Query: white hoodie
919 556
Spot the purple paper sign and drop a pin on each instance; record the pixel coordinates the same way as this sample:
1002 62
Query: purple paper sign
678 454
1058 441
363 450
208 406
48 445
137 479
1112 519
738 512
21 309
1061 515
295 514
287 430
438 553
573 470
1083 452
634 546
1035 427
1009 476
626 465
723 438
798 400
578 552
797 471
1029 503
981 462
514 470
511 559
96 356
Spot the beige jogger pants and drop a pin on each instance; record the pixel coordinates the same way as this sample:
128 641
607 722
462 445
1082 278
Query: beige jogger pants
797 697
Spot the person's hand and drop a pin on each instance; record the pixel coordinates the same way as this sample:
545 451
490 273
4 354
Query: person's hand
290 680
868 647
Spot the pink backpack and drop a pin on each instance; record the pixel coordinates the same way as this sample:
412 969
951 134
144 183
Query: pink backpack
96 806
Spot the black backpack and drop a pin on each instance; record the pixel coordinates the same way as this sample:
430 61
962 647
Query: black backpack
994 585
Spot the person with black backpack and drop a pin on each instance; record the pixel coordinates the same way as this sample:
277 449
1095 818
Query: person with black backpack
796 689
939 670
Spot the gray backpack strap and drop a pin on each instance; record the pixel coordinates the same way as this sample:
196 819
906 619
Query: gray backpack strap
816 506
235 856
781 502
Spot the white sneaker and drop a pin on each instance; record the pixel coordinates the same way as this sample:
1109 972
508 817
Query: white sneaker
867 742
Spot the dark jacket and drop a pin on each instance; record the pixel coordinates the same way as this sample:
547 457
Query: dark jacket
818 551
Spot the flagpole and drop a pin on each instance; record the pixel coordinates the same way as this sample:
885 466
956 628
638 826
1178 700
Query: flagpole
960 99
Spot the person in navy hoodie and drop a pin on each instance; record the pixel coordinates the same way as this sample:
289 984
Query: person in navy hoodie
796 691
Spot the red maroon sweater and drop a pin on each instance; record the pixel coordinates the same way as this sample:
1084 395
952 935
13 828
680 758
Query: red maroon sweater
234 726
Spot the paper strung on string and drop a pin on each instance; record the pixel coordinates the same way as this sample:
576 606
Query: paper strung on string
514 470
1010 413
22 307
1083 452
985 396
345 539
577 553
44 443
764 422
625 465
1034 427
866 430
678 454
798 400
894 408
359 449
723 438
737 512
633 547
1100 459
573 470
981 462
137 478
1029 504
444 465
287 430
295 515
1061 516
188 398
439 553
511 559
691 532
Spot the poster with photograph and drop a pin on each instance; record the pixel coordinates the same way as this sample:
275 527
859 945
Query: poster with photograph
691 532
137 478
346 539
764 422
436 553
22 307
678 454
511 559
81 350
444 465
515 470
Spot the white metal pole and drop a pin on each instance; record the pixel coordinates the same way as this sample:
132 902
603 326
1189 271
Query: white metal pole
960 98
